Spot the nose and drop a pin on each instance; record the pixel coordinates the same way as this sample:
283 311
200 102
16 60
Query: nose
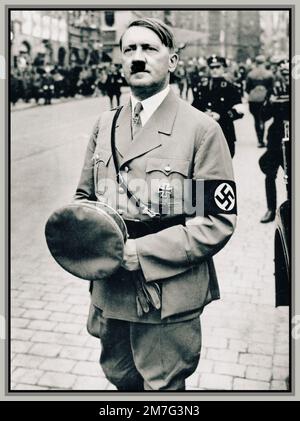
139 55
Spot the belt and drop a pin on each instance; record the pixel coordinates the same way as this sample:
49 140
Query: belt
137 229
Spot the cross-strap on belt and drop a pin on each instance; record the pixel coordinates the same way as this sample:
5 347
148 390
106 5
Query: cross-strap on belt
131 196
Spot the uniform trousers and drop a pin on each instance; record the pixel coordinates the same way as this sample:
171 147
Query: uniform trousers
255 109
146 356
269 163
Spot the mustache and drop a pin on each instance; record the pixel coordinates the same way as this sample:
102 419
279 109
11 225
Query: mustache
138 66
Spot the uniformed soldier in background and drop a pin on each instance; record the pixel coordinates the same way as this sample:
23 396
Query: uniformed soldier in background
191 71
217 97
163 141
113 84
259 84
199 78
240 78
276 106
180 76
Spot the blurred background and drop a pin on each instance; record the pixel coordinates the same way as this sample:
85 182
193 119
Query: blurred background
73 49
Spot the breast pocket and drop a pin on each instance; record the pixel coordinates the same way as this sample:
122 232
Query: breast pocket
100 161
165 182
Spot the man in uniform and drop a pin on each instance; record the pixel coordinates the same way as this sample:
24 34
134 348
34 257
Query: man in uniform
199 80
160 141
276 106
180 76
113 84
259 84
217 97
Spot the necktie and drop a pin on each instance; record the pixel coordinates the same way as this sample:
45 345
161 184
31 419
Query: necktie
136 120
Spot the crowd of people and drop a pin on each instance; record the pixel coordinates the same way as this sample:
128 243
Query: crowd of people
107 78
45 82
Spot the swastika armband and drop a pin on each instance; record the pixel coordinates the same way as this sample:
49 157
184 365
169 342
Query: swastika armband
212 197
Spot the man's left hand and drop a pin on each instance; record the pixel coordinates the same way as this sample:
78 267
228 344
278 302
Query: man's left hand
215 116
130 260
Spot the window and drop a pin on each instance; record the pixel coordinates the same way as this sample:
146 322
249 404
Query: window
109 17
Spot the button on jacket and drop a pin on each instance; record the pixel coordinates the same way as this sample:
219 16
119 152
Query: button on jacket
178 142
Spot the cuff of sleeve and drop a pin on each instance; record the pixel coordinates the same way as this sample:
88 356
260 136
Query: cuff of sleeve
154 265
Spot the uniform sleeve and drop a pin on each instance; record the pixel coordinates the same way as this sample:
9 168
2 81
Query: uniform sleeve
270 84
266 110
85 189
236 96
178 248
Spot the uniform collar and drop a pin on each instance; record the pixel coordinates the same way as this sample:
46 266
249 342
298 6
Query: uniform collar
149 137
150 104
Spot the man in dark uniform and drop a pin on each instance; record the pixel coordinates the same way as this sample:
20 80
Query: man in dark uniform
161 141
191 71
113 84
199 79
217 97
47 85
276 106
259 84
240 78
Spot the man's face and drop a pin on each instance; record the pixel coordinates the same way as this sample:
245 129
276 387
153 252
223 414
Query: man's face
216 70
146 61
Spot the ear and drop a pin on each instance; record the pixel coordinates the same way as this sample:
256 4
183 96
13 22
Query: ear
173 61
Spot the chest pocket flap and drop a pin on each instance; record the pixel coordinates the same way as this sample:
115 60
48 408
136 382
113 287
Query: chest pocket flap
100 161
168 166
101 155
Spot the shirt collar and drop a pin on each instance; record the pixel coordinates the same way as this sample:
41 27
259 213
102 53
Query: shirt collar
149 104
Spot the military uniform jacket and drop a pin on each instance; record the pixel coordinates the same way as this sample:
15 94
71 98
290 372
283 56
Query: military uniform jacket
220 96
114 83
279 112
259 76
176 143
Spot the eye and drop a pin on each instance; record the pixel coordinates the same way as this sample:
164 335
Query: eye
151 48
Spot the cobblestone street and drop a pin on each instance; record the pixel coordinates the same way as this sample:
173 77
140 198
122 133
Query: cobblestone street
245 338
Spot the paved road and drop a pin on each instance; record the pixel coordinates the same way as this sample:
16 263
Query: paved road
245 339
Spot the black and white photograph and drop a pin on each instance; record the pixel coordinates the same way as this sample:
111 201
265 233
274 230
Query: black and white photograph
150 199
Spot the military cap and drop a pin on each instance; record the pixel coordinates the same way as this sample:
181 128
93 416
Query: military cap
215 60
87 239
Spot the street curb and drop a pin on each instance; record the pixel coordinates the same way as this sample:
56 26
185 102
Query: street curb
24 106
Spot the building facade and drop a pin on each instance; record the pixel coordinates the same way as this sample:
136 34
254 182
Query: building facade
275 33
40 36
84 36
91 36
231 33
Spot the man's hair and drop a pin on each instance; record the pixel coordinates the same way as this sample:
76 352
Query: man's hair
163 32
